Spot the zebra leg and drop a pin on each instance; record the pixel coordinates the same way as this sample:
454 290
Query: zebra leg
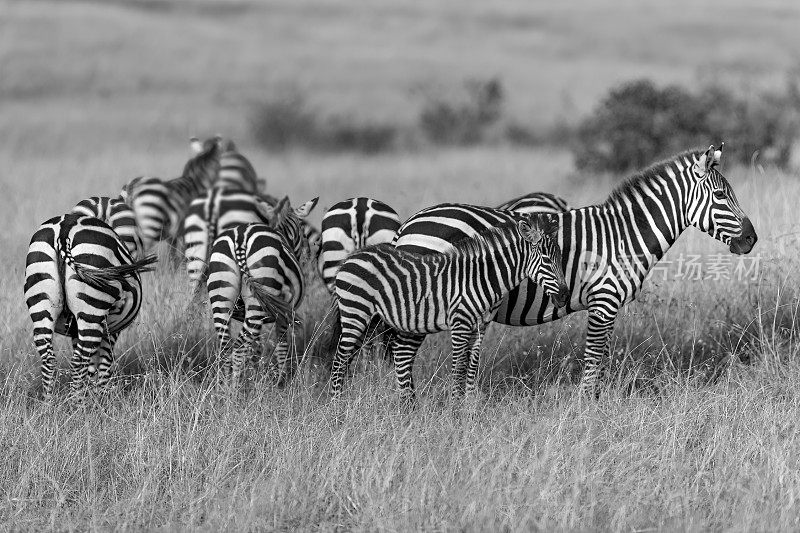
105 360
461 336
90 335
474 357
43 340
601 324
284 351
251 328
404 348
349 342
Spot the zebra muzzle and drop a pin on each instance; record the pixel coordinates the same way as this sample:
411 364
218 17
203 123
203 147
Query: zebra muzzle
561 298
746 240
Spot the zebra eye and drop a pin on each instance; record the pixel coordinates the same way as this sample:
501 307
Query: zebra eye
720 195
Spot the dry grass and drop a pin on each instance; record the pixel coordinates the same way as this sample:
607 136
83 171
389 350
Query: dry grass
664 447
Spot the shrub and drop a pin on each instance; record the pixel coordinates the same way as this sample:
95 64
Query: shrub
638 123
289 122
465 120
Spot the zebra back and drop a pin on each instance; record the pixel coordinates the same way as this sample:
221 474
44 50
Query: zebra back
351 225
536 202
117 214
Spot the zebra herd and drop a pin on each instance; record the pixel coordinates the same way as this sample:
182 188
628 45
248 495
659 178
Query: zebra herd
453 267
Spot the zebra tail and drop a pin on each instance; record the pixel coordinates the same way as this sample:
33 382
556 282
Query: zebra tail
336 330
280 309
101 278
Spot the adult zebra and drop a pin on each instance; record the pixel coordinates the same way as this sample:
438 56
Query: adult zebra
536 202
235 170
80 281
417 294
608 249
464 220
117 214
160 206
350 225
256 275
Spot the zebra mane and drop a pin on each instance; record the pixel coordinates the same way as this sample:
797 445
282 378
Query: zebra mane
199 163
483 239
635 184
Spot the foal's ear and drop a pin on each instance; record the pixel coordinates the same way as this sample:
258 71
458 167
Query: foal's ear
196 145
304 210
529 232
708 161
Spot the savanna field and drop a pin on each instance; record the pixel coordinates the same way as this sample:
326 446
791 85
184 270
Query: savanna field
697 425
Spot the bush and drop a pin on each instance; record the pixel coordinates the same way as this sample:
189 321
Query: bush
464 121
290 122
638 123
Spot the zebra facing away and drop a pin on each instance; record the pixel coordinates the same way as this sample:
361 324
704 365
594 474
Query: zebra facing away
116 213
256 275
349 226
608 249
211 214
80 281
417 294
160 206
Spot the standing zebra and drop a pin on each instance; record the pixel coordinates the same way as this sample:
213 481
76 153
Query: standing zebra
236 172
462 221
210 215
160 206
256 275
536 202
81 281
116 213
417 294
351 225
608 248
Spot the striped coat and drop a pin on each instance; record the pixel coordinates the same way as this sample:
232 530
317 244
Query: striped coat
116 213
457 291
80 281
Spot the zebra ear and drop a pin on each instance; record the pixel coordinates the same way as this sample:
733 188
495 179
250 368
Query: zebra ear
531 233
718 155
304 210
196 145
706 162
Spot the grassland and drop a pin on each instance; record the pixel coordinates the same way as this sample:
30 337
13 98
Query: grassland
93 93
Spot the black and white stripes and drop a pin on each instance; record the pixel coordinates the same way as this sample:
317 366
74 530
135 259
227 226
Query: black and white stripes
80 281
418 294
351 225
608 248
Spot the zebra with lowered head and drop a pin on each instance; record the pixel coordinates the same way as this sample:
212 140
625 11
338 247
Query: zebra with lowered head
350 225
160 206
80 281
417 294
117 214
256 275
608 249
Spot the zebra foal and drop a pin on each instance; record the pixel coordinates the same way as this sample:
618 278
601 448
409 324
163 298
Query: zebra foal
80 281
458 291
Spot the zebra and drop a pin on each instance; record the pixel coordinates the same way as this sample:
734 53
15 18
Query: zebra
608 248
464 220
116 213
235 170
536 202
211 214
350 225
80 281
160 206
417 294
256 275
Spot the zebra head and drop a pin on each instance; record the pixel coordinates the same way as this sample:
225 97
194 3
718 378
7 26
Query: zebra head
713 207
203 167
288 221
540 230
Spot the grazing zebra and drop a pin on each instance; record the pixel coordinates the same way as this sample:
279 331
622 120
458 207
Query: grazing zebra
81 281
349 226
435 228
417 294
536 202
609 248
116 213
210 215
160 206
256 275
